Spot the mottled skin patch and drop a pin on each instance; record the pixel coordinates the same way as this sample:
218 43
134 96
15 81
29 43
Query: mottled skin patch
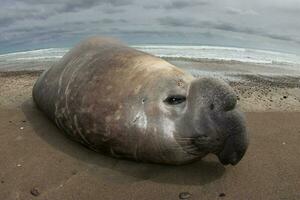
110 97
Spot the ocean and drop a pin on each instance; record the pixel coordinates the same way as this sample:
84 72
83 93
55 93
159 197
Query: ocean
199 60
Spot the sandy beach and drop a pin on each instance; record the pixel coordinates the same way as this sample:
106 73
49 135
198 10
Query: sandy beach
111 83
39 162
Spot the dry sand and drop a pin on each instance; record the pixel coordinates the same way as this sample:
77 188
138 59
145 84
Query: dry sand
38 162
255 93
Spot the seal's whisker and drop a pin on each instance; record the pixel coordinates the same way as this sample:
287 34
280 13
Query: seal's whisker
202 142
188 146
174 147
179 139
184 137
193 152
185 147
184 142
191 148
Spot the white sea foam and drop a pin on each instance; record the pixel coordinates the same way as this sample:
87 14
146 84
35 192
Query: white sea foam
31 60
186 52
42 54
221 53
43 58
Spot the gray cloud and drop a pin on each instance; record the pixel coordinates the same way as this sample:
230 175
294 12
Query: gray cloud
171 21
11 15
230 27
77 5
179 4
113 10
155 6
110 21
37 10
236 11
224 26
35 23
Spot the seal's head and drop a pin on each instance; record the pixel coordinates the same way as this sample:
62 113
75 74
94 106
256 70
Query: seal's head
206 120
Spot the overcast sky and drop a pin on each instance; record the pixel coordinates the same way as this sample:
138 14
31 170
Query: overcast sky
261 24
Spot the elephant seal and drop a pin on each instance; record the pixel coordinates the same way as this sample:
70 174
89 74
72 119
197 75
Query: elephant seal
130 104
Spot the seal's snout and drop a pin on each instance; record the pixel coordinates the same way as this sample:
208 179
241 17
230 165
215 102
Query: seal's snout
214 94
222 126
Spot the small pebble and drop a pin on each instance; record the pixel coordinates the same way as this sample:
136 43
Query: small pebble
19 165
22 128
283 143
24 121
19 138
185 195
34 192
284 97
74 172
222 194
2 181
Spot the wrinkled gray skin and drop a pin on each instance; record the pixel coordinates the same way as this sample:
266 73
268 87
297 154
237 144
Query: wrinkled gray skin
113 99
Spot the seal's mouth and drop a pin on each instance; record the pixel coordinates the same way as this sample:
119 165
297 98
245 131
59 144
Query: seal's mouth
226 138
235 143
230 153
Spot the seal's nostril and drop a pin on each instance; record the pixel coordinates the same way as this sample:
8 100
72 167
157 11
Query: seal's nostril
230 102
234 158
212 106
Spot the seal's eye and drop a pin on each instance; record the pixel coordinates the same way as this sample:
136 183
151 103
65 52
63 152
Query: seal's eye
175 99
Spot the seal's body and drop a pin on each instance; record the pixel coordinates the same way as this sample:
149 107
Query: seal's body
115 99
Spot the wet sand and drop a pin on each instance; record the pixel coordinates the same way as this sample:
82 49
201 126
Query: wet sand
39 162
